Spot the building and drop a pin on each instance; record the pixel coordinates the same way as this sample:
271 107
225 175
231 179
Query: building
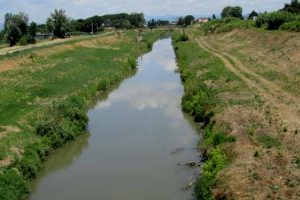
202 20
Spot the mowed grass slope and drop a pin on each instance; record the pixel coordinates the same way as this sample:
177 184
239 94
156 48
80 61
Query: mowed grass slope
35 82
250 150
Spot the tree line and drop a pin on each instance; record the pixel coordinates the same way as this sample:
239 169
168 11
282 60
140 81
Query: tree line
287 18
17 27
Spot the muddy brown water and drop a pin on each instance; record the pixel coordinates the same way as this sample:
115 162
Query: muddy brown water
137 137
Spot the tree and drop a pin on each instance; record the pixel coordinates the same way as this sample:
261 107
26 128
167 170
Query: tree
188 20
59 23
230 11
180 21
252 15
15 26
293 7
214 16
32 29
152 24
1 35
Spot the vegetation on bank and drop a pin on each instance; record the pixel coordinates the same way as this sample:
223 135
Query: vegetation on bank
48 101
287 18
200 101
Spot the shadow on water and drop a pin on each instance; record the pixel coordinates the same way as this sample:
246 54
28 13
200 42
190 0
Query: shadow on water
138 137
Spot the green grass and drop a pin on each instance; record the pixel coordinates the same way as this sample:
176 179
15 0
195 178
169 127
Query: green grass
43 98
201 101
268 141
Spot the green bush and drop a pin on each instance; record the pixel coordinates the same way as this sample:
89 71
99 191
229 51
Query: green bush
132 62
274 20
12 185
183 38
216 162
26 39
198 103
103 85
202 189
65 121
291 26
30 163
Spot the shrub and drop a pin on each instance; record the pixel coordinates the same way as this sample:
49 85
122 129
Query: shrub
216 162
12 185
183 38
291 26
132 62
202 189
198 103
65 121
30 163
274 20
27 39
103 85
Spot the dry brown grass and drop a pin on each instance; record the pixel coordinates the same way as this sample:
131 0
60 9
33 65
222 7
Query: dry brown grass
18 62
255 171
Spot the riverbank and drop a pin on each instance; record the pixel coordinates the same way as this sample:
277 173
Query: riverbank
44 95
248 119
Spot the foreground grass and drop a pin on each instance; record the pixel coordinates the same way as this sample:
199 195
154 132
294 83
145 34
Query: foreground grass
44 97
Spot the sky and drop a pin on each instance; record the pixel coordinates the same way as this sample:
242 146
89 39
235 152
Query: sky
39 10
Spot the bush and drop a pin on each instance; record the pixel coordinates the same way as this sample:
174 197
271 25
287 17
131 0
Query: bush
12 185
198 104
274 20
216 162
65 121
27 39
103 85
132 62
202 189
183 38
291 26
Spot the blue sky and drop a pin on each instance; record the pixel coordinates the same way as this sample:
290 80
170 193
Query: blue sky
39 10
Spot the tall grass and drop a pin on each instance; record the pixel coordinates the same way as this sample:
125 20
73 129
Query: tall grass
200 101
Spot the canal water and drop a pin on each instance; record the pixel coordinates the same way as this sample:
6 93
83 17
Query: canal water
137 138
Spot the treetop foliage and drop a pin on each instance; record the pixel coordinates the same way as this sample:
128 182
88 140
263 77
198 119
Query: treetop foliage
230 11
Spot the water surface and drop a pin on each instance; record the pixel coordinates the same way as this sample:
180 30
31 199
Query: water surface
138 135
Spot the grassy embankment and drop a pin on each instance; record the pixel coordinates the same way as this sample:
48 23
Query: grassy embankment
249 115
44 96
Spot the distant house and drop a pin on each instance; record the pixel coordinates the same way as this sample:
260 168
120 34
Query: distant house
202 20
173 23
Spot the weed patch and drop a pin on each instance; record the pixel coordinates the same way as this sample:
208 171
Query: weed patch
268 141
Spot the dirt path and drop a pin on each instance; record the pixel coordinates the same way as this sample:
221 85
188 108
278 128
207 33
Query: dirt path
284 104
10 50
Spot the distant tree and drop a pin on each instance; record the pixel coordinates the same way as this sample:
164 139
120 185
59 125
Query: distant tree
188 20
49 25
15 26
1 35
293 7
59 23
214 16
230 11
32 29
252 15
180 21
152 24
